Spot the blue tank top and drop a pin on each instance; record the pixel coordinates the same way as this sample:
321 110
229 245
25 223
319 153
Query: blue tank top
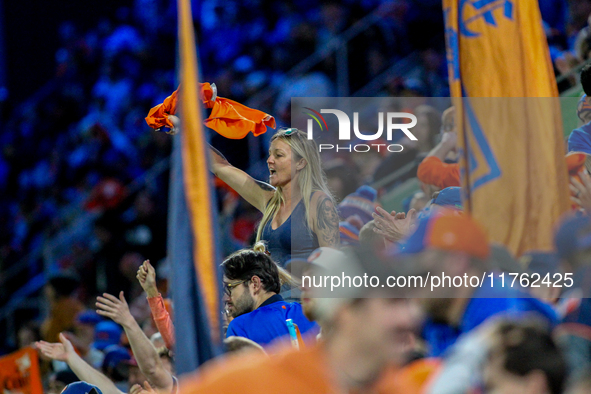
292 239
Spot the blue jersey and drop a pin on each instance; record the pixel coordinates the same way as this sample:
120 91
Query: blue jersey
486 302
267 323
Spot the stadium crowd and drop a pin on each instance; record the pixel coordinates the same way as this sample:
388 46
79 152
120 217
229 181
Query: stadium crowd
91 140
109 321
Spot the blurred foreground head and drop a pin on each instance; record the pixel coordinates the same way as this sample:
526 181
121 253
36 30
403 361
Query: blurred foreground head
446 241
573 242
236 345
81 388
524 359
371 319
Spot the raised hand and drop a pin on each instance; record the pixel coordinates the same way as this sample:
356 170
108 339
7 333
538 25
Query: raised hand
146 275
176 124
115 309
449 139
56 351
394 226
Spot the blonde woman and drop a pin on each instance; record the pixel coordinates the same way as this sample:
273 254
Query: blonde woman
299 213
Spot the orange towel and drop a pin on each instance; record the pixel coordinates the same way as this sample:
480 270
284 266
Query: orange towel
228 117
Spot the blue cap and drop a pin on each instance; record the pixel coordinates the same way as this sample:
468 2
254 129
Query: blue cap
114 354
89 317
106 333
573 236
81 388
361 203
450 197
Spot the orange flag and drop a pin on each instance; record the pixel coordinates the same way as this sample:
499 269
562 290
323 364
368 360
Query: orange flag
512 168
19 372
228 117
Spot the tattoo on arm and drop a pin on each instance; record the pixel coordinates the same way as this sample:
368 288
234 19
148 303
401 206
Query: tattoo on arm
328 222
265 186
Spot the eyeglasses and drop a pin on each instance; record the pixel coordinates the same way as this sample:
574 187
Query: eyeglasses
290 131
229 286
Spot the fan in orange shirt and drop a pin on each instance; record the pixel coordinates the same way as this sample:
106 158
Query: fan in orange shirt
433 170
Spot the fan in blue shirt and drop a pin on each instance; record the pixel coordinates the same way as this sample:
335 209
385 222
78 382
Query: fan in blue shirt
251 284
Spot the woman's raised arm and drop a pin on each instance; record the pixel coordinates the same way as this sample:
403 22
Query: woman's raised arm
256 192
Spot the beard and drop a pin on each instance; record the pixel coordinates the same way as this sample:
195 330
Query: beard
309 310
242 305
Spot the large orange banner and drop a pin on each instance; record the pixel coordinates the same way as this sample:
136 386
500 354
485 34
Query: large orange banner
512 167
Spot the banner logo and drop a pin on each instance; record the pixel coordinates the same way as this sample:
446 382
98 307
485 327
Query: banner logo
482 9
467 18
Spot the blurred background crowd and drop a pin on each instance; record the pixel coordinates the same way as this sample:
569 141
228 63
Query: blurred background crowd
84 180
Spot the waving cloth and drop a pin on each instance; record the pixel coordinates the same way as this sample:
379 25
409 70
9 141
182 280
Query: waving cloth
228 117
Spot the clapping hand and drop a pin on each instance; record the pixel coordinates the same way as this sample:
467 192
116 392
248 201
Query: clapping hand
394 226
581 191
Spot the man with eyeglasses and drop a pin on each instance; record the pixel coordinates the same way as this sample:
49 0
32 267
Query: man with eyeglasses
365 340
251 286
